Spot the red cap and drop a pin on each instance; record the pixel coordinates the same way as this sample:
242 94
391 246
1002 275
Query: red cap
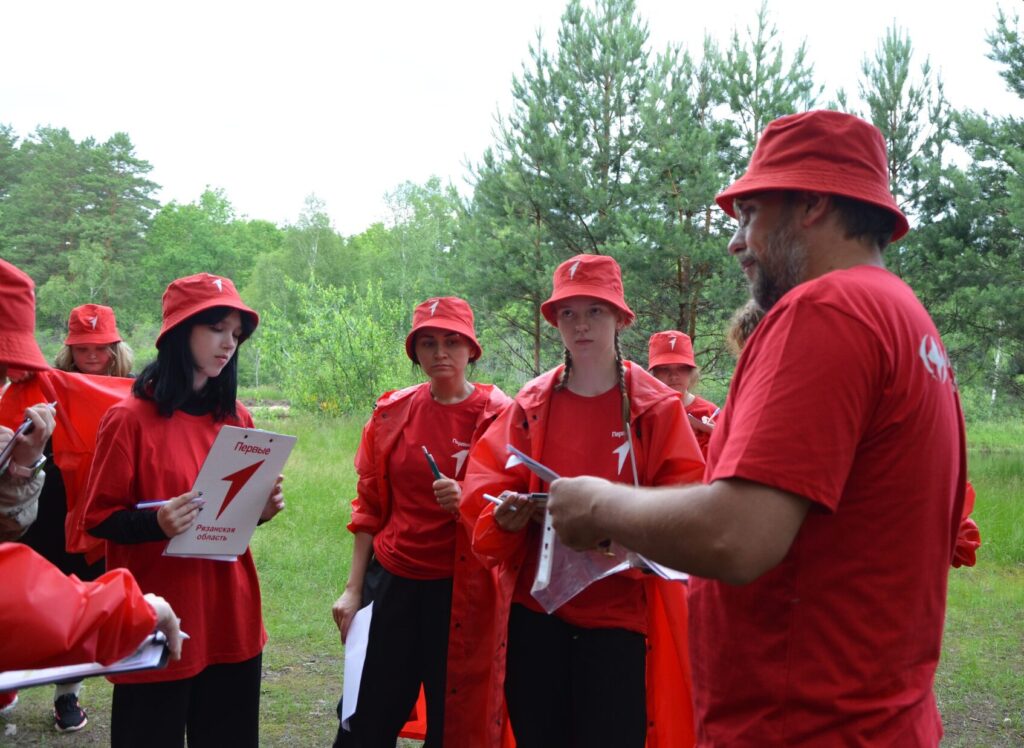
587 275
670 347
92 324
196 293
820 151
445 313
18 347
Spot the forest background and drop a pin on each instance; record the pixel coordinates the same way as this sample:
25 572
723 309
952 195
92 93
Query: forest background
609 147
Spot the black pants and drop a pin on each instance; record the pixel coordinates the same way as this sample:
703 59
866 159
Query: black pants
408 645
218 707
573 687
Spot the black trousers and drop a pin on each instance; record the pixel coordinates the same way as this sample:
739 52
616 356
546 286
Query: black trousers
572 687
218 707
408 645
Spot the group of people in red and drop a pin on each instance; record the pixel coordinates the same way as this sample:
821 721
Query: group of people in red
817 511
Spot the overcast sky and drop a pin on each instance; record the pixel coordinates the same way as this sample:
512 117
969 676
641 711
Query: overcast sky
274 101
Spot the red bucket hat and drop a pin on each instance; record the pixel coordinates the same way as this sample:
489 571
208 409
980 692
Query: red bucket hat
18 347
92 324
820 151
196 293
445 313
670 347
587 275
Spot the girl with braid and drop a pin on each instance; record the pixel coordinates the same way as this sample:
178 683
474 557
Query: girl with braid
585 674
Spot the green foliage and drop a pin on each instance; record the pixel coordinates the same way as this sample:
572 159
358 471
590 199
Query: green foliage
341 349
761 85
58 195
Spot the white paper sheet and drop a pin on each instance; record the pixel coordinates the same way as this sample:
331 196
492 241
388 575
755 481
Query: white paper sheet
355 657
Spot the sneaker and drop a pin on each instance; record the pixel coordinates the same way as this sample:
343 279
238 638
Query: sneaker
68 716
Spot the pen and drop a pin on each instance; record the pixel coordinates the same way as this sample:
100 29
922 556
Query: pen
430 461
712 417
26 427
161 502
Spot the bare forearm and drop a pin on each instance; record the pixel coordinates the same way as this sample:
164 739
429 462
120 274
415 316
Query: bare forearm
362 547
731 530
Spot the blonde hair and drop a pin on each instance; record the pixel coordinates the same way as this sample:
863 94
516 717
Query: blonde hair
120 365
742 325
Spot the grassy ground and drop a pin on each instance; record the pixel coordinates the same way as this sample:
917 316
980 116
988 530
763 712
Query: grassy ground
303 560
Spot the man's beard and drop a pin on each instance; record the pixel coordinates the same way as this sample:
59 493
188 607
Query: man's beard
781 266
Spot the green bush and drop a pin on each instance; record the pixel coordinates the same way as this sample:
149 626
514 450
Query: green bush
339 352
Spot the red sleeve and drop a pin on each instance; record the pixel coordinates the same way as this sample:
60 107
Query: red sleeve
802 397
62 621
111 483
367 514
673 455
486 473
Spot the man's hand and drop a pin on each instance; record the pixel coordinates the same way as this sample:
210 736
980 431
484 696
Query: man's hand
178 514
573 503
166 622
275 502
448 492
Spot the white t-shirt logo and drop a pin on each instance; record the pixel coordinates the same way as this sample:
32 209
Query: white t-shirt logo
622 451
936 363
573 269
460 460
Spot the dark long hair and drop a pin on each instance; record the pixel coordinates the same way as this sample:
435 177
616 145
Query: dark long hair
168 380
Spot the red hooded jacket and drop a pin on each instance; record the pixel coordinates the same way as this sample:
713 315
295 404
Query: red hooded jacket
473 632
666 453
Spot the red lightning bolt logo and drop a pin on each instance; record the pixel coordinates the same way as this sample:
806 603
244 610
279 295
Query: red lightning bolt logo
237 480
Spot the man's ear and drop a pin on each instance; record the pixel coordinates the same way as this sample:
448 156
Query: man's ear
813 207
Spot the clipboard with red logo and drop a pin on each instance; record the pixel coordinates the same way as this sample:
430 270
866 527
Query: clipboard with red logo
234 482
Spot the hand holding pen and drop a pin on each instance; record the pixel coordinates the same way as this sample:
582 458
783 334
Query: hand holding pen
25 446
177 515
446 490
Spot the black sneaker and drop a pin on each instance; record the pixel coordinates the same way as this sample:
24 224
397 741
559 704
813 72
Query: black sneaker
68 716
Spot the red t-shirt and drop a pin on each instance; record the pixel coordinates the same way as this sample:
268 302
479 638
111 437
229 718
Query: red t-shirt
698 409
585 436
418 540
140 456
843 396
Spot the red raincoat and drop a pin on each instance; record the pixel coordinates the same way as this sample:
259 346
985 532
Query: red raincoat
666 454
82 400
473 633
49 619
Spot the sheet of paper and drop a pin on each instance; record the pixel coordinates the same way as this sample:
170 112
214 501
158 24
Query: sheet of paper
355 655
151 654
235 480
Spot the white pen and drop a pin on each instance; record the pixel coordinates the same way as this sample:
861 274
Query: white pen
161 502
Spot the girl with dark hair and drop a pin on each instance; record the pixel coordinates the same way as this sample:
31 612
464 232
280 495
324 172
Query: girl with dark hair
579 675
433 603
152 446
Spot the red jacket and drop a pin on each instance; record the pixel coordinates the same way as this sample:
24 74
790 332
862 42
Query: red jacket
666 453
82 400
49 619
473 632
